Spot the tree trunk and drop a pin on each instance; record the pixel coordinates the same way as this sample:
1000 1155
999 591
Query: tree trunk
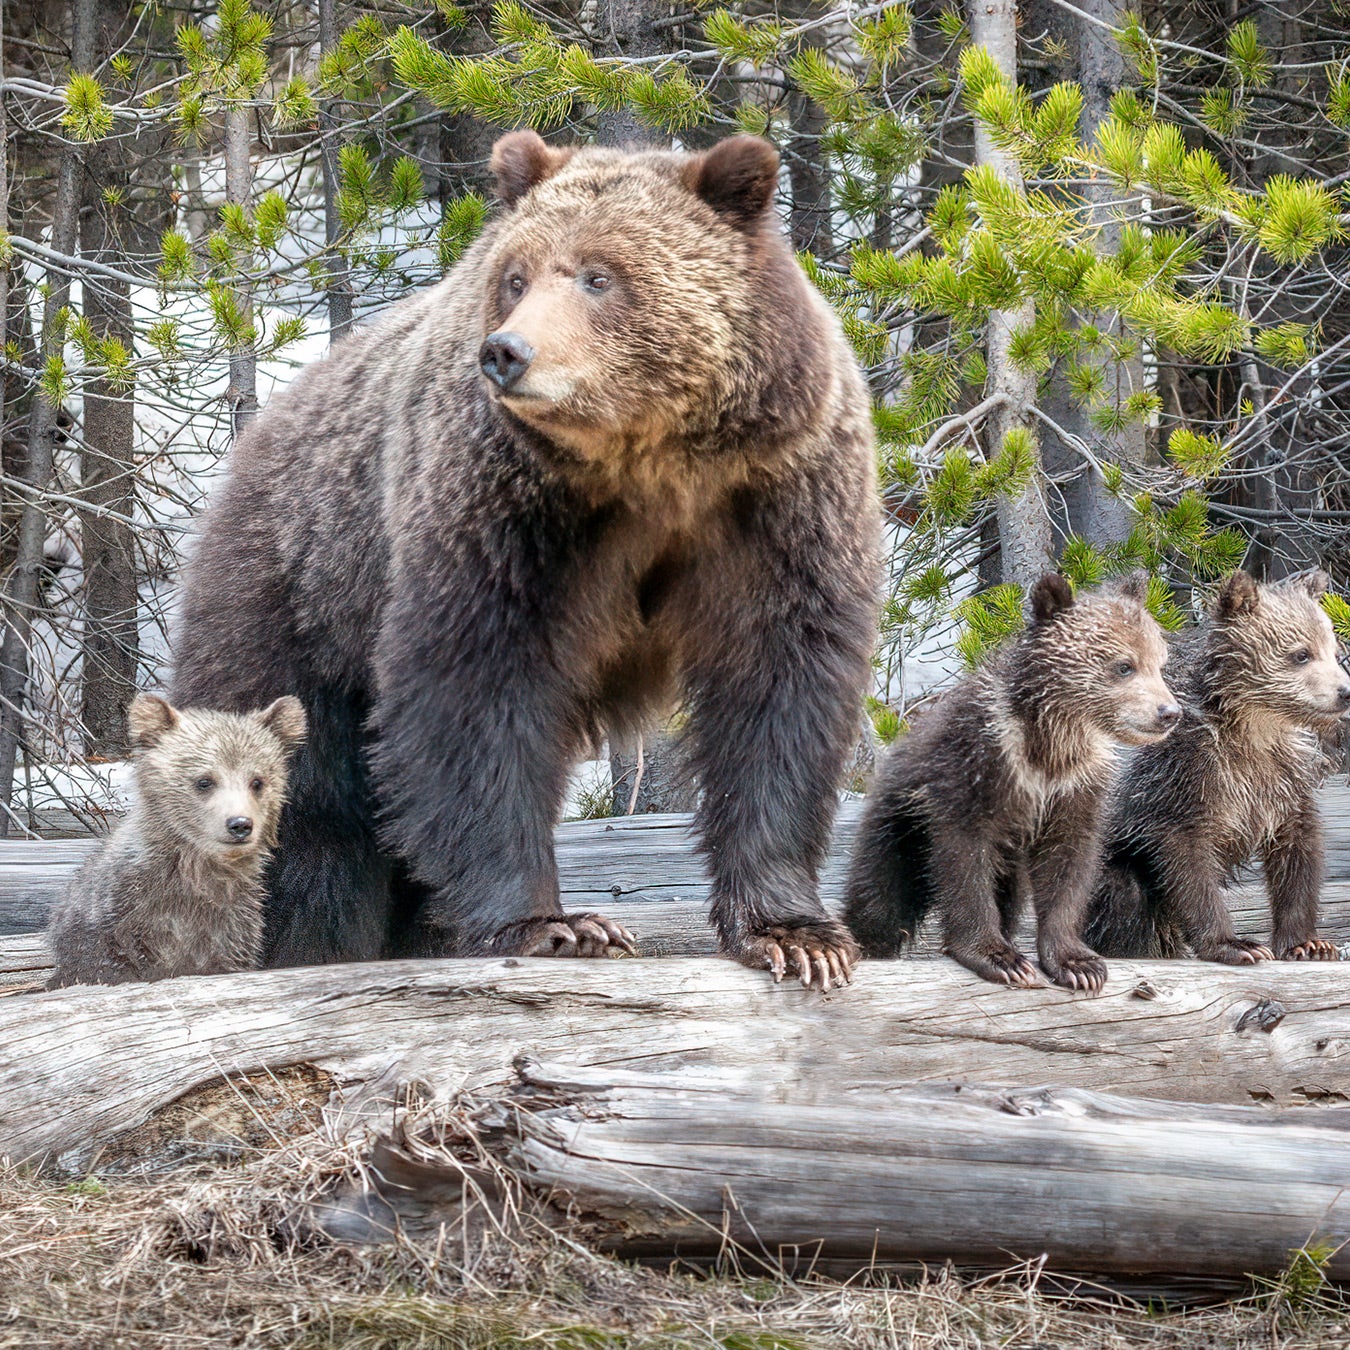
23 586
242 394
809 176
628 25
107 471
330 120
1023 524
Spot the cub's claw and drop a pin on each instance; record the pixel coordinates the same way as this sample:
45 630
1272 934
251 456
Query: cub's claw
586 935
1083 970
1235 952
999 965
821 956
1314 949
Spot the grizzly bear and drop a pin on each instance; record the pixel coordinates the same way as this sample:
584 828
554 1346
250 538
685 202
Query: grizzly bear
620 457
1260 685
177 889
998 791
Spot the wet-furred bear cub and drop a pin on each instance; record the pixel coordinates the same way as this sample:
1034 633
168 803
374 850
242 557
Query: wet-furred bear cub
178 888
997 795
1261 685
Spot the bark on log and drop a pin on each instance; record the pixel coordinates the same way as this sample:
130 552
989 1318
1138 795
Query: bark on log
977 1175
79 1066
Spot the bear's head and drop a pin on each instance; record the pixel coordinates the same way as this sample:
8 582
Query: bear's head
1269 651
639 299
1095 663
210 782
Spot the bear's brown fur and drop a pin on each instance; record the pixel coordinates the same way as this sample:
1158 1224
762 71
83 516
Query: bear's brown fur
1260 685
997 793
177 889
621 456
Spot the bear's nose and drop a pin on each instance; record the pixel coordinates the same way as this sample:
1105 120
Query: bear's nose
504 358
1169 714
240 827
1343 693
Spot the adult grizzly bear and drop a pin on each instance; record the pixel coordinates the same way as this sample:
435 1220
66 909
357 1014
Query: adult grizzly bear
998 794
1260 684
621 455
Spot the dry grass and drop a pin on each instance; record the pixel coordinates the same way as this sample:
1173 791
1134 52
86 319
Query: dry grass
207 1239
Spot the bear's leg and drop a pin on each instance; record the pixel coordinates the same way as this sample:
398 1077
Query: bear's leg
1062 867
472 750
1293 865
328 883
1190 874
774 681
966 871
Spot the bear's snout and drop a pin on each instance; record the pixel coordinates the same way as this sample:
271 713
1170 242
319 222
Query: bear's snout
239 827
1169 714
504 358
1343 696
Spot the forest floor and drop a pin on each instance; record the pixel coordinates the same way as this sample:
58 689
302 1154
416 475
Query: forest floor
221 1248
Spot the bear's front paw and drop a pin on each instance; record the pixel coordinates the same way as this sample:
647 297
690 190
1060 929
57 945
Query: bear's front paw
999 964
821 955
1076 967
1234 952
565 935
1314 949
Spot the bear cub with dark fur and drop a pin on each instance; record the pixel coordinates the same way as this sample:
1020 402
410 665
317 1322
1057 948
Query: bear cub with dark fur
997 794
619 460
178 888
1261 686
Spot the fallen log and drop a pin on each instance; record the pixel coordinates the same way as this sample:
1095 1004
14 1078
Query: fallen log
1092 1182
80 1066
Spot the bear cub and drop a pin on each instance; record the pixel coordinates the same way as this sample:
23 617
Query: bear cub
1261 687
178 887
997 795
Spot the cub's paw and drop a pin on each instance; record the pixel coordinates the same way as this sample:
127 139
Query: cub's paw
565 935
1001 963
1234 952
1076 968
1315 949
820 955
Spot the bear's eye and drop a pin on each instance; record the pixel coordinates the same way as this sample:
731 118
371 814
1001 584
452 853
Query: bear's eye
256 785
204 784
596 281
1301 656
1124 669
516 284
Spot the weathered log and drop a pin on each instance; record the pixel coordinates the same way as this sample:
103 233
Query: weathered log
977 1175
78 1066
644 872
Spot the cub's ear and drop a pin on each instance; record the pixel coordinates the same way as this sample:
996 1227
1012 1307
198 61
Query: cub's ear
149 719
1134 586
1313 582
1237 595
1051 595
521 161
286 720
737 178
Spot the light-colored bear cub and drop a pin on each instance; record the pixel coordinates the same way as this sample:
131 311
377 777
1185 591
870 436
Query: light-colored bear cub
178 888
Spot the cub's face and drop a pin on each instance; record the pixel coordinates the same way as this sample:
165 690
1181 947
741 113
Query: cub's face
616 292
215 781
1278 650
1103 658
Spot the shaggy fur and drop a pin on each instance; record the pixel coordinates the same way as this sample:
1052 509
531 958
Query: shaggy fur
998 791
1261 686
470 583
177 889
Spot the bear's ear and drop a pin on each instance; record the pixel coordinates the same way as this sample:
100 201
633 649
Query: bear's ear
737 178
1134 586
1237 595
521 161
1314 582
149 719
1051 595
286 720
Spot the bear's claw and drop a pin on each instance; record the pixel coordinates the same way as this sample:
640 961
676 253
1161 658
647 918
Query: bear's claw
1235 952
999 965
1314 949
820 956
1083 970
585 935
